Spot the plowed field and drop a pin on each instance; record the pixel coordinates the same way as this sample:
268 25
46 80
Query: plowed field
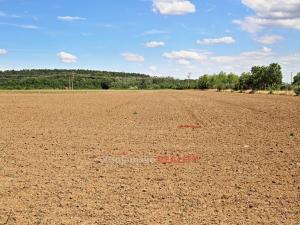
60 158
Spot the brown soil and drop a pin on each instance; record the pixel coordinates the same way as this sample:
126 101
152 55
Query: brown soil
51 144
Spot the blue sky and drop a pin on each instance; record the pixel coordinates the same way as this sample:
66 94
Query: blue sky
158 37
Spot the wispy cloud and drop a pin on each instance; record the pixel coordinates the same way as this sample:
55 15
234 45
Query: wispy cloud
3 14
106 25
84 34
215 41
153 32
23 26
152 68
70 18
3 51
268 39
155 44
132 57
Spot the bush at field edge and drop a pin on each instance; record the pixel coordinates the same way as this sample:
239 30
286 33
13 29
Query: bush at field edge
297 90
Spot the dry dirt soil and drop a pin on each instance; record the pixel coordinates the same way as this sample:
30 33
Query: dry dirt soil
52 169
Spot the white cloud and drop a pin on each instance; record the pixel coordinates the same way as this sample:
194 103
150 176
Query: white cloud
256 24
173 7
281 9
70 18
242 62
249 24
182 57
223 59
214 41
244 56
237 63
183 62
186 57
257 54
291 61
67 57
154 44
276 13
3 51
132 57
245 60
153 68
269 39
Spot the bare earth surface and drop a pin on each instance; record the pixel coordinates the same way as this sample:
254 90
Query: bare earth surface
51 146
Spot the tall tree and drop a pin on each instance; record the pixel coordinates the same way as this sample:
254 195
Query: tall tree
297 79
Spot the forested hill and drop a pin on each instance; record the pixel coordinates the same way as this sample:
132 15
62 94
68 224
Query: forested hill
85 79
62 72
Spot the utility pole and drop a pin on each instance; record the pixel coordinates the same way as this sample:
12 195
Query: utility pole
71 81
291 78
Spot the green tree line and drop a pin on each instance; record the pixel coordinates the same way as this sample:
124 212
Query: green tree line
259 78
